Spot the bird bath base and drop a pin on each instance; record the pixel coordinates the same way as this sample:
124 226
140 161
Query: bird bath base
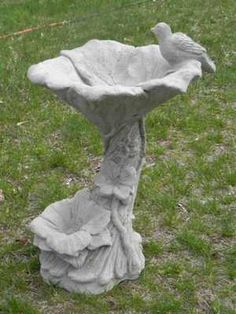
87 243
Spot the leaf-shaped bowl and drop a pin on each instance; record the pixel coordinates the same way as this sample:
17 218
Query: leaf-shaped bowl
112 83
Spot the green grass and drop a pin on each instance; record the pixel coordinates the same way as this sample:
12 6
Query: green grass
185 209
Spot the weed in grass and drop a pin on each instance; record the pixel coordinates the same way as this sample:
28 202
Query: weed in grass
170 268
230 262
217 308
166 304
152 249
17 306
192 242
228 223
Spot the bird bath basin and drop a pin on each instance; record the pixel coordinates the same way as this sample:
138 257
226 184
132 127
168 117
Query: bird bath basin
87 243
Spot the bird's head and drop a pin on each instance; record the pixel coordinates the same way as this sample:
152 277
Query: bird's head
161 30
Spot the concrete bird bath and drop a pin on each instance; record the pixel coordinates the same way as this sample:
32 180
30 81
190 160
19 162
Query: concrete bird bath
87 243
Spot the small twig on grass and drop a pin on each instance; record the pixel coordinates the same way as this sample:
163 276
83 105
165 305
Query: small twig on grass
76 20
32 29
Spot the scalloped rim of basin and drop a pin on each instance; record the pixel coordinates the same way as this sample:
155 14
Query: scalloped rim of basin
111 106
69 70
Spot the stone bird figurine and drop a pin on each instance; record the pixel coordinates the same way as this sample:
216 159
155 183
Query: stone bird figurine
178 47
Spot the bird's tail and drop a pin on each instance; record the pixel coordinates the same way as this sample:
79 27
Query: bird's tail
208 65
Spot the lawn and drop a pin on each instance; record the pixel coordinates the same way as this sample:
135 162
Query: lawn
186 204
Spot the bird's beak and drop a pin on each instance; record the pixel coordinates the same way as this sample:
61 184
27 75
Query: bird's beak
152 29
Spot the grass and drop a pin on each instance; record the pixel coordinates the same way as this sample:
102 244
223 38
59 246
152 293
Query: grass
185 209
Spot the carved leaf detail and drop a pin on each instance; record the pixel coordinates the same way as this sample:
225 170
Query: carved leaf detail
41 243
122 192
53 264
69 244
58 228
106 190
117 181
98 223
102 239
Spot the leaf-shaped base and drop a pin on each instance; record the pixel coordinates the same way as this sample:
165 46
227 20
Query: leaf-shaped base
81 250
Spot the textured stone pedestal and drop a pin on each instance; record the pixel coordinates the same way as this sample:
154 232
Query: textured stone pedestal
87 243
